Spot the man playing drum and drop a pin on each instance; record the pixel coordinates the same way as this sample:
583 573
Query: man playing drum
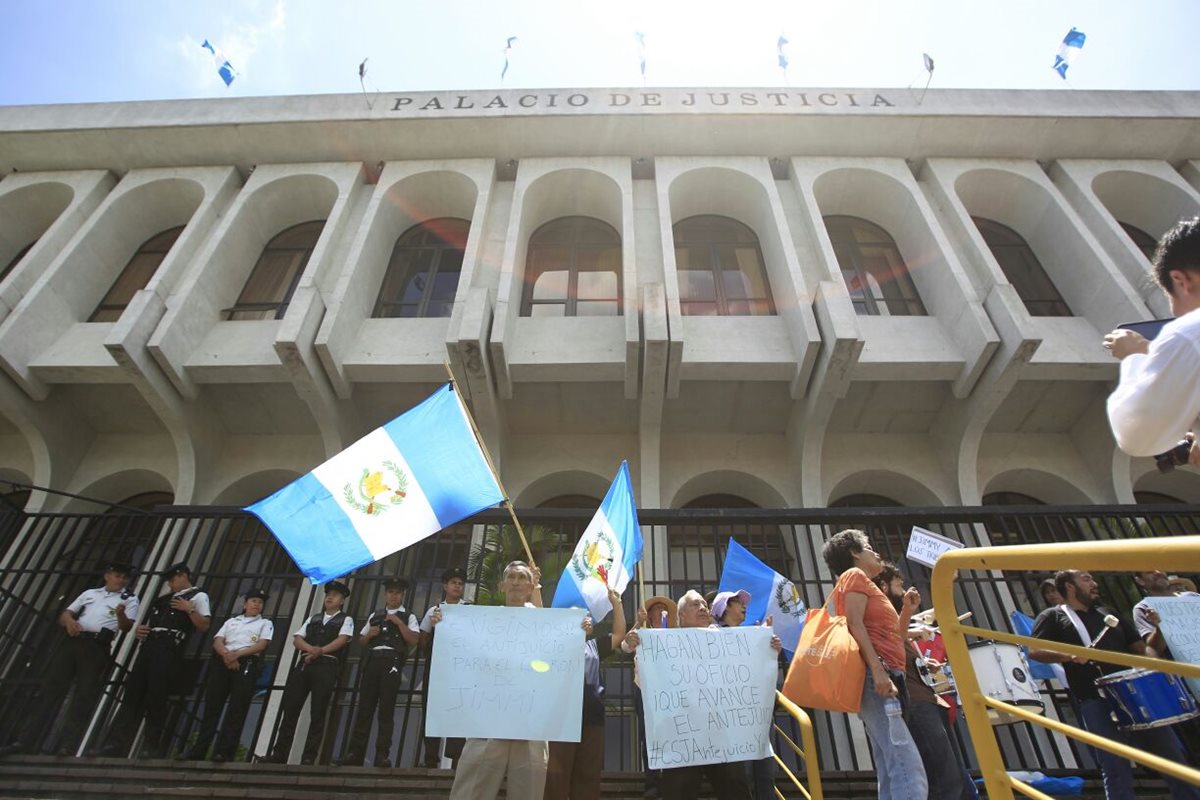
1081 620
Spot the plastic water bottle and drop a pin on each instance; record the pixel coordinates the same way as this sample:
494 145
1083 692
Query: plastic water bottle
895 715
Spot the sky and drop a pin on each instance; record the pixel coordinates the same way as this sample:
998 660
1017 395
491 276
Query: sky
69 51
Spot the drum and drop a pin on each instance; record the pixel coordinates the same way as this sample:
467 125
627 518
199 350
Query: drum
1142 699
1003 674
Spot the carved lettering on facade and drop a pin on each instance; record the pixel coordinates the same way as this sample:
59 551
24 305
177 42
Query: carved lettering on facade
634 102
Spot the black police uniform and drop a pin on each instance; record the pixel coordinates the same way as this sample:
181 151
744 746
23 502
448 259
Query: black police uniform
236 686
378 689
319 679
160 660
78 666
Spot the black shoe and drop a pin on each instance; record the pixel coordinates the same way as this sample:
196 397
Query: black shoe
383 763
273 758
219 758
307 762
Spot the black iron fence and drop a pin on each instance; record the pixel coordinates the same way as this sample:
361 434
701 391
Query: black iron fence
49 558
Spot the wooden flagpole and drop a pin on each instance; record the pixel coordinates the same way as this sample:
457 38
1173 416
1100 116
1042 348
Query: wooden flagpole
488 458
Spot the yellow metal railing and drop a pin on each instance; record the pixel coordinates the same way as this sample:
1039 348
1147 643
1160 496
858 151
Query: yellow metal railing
807 753
1179 553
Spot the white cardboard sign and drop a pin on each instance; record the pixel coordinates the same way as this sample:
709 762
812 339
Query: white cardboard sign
924 546
507 673
1179 621
708 694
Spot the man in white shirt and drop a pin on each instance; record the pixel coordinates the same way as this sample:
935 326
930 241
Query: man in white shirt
1158 398
387 635
232 675
172 617
454 586
80 664
321 648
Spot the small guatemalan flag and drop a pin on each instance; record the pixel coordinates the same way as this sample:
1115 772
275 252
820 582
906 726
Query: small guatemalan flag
606 555
407 480
1072 43
224 68
771 594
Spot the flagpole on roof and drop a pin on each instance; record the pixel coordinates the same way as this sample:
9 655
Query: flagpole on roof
488 458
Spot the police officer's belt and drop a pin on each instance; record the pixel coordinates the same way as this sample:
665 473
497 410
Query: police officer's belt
167 633
103 636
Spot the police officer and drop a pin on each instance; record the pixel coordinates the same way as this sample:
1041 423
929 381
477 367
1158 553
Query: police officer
321 648
387 636
80 664
454 585
233 674
172 618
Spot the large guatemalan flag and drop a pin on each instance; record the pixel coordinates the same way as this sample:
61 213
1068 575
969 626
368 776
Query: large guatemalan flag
771 594
606 554
421 472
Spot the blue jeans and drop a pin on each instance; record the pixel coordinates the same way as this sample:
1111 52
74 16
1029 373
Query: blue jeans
899 768
1118 776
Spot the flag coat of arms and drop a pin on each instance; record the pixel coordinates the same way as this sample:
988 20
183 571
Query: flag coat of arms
402 482
606 554
771 594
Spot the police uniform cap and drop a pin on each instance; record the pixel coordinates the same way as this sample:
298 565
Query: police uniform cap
119 567
261 594
454 572
337 586
177 569
395 585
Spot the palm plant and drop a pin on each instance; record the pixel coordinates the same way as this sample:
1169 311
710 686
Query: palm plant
501 544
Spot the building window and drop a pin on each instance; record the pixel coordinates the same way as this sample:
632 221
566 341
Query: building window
573 269
269 289
1142 240
16 260
136 275
721 269
422 277
1023 270
874 270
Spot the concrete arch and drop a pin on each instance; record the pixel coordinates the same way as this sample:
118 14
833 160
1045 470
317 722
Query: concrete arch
724 191
119 485
903 489
27 212
559 483
724 481
1045 486
575 192
1143 200
1183 484
253 487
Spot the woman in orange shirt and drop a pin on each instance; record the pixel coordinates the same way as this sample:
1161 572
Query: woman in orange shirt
879 631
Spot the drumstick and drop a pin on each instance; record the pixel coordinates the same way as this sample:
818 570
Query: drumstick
1110 622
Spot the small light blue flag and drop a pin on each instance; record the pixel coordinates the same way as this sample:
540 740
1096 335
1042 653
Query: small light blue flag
224 68
1072 43
508 46
783 59
607 553
1023 626
641 40
771 594
402 482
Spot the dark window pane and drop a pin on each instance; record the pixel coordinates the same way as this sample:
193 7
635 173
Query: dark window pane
876 276
718 260
1022 269
136 275
422 275
274 278
574 264
1144 241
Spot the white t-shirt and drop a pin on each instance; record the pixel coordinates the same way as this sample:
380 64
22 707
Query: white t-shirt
241 631
96 609
347 625
1158 398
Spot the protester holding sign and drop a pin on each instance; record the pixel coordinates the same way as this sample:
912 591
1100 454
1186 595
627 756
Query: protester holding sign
1145 618
574 769
879 631
485 763
706 697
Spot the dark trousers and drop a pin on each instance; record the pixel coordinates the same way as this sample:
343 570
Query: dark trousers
318 679
573 771
652 775
1118 776
376 697
927 723
762 777
683 783
159 659
235 686
79 666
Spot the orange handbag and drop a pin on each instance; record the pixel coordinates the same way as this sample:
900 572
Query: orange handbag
827 671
